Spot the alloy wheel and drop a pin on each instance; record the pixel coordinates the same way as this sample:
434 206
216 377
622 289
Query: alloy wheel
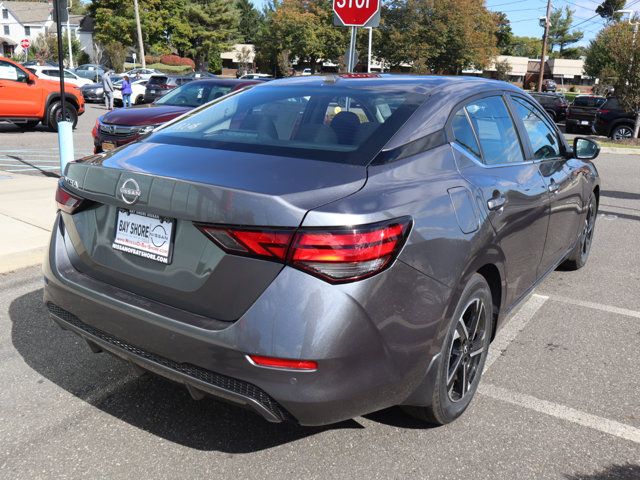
620 133
465 351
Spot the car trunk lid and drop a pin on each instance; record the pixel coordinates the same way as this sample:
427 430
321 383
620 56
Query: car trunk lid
201 185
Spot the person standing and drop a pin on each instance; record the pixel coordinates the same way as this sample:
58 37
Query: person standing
107 86
126 92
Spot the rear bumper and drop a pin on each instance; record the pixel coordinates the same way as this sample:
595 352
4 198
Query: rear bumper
372 347
577 122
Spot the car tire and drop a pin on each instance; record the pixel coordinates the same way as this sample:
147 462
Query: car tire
620 132
54 115
580 254
30 125
458 369
139 100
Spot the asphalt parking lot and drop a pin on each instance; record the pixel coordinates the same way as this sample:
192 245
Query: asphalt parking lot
36 152
560 398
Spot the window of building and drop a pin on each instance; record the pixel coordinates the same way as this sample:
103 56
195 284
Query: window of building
5 13
6 29
27 31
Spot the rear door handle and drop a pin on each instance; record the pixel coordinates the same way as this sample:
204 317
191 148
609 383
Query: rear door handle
553 186
496 202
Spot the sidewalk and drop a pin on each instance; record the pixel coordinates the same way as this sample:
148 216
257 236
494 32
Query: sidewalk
27 211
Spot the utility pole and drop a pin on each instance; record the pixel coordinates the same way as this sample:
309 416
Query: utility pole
545 39
140 42
69 36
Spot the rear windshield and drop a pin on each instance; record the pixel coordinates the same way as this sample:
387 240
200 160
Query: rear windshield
194 94
157 80
588 102
323 122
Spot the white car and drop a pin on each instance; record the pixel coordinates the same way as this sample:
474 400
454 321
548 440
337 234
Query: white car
255 76
137 91
141 73
52 73
306 72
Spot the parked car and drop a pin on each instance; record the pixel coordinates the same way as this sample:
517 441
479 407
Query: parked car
555 105
27 100
613 121
306 71
159 85
137 91
122 126
201 74
141 73
549 85
582 112
256 76
94 93
33 63
92 71
53 73
312 269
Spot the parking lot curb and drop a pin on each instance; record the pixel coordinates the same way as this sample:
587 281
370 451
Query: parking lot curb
17 261
620 150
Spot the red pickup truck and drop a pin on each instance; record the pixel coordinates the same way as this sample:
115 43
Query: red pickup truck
27 100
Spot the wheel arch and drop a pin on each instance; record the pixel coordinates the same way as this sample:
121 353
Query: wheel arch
617 123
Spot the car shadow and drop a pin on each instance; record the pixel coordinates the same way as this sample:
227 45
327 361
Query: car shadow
46 173
148 402
620 195
627 471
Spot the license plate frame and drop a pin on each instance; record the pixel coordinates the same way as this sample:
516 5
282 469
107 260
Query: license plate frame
108 146
584 122
128 242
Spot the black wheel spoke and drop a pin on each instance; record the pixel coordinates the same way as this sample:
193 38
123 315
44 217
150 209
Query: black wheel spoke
451 376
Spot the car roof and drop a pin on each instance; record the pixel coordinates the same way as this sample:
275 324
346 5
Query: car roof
222 81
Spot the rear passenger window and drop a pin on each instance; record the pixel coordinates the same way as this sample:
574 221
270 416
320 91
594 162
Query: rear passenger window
463 133
495 130
543 138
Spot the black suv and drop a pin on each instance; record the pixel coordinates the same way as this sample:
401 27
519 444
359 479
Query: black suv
159 85
554 104
582 112
612 121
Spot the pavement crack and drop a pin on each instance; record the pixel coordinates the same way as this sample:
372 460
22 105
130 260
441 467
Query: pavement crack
24 221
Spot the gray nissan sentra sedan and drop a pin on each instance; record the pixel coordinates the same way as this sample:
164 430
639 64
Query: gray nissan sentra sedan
323 247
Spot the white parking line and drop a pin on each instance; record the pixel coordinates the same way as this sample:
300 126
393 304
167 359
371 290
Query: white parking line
596 306
514 326
562 412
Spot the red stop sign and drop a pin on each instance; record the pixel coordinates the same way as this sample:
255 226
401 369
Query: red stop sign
355 13
25 43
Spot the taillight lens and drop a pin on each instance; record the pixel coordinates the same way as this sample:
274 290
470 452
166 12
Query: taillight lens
603 112
94 131
336 255
67 202
284 363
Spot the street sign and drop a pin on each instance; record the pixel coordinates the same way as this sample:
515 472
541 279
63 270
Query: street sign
355 13
25 43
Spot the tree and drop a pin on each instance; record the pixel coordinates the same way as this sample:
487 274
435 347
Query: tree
529 47
213 28
614 55
560 33
451 35
45 47
608 8
503 33
250 20
503 69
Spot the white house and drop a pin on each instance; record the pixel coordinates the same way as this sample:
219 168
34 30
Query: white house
20 20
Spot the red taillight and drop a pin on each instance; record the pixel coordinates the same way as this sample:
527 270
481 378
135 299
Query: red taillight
67 202
335 255
94 132
603 111
273 362
270 244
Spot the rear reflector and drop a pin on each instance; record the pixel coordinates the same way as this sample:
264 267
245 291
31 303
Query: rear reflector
336 255
67 202
272 362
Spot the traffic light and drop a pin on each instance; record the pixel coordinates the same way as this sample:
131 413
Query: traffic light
62 7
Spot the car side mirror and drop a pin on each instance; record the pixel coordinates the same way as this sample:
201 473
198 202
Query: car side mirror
585 148
31 79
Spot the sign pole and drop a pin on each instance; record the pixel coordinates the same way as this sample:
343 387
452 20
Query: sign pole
352 50
370 44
